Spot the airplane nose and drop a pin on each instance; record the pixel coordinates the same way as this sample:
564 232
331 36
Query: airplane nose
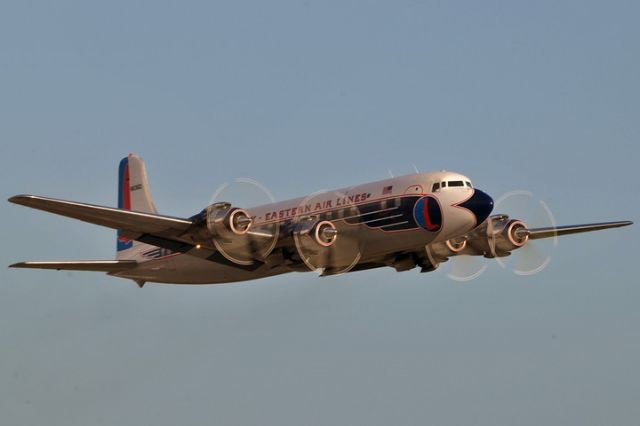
480 204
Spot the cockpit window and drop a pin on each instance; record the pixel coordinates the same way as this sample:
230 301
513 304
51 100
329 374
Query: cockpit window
455 183
436 186
469 184
443 184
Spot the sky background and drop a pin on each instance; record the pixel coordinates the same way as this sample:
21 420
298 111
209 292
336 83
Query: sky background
542 96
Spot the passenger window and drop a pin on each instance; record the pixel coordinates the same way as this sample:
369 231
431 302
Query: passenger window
436 187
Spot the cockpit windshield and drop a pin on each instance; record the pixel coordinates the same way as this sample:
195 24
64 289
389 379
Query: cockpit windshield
451 184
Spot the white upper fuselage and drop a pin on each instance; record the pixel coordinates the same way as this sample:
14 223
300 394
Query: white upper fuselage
458 221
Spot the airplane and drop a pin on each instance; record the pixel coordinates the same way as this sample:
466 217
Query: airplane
415 221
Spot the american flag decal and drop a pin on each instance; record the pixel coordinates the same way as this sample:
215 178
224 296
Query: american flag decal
387 190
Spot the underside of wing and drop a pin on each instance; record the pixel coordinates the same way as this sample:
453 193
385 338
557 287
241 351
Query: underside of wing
80 265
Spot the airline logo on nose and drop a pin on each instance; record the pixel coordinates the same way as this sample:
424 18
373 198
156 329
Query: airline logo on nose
428 214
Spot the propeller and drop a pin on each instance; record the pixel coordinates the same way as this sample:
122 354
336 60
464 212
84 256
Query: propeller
252 240
326 241
459 266
466 268
533 256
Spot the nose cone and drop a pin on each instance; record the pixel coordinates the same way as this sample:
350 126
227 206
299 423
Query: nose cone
480 204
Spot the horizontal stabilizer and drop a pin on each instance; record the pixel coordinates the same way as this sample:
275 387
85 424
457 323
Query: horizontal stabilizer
80 265
537 233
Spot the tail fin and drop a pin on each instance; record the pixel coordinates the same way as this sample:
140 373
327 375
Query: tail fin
133 188
133 194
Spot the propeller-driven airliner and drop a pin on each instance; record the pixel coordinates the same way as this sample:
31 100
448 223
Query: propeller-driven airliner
415 221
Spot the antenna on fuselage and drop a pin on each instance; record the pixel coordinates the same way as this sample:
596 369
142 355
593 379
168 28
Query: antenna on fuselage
415 168
390 174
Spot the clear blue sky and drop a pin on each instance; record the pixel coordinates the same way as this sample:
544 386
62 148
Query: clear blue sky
302 96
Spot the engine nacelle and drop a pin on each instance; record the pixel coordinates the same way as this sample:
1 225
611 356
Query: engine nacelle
444 250
223 221
512 235
323 233
441 252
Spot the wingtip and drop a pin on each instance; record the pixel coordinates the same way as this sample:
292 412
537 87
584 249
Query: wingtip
20 198
17 265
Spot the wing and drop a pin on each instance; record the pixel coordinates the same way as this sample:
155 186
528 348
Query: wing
81 265
173 233
143 223
538 233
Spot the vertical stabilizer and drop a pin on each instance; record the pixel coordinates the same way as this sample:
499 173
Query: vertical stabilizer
133 194
133 191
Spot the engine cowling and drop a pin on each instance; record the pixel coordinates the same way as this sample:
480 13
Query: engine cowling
224 221
446 249
323 233
513 235
441 252
324 245
232 232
